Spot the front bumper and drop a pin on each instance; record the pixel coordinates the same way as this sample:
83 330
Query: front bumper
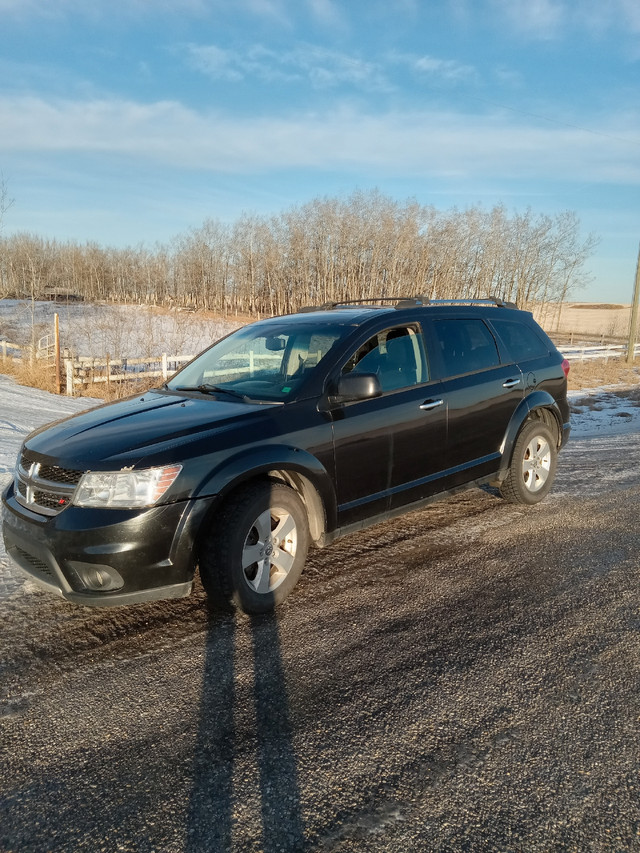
151 552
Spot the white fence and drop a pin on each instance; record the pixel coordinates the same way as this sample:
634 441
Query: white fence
605 352
85 370
80 371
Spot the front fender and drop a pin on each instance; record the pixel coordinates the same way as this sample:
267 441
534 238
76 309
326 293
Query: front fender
244 466
535 400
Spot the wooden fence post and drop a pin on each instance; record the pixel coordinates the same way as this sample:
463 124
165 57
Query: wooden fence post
56 329
68 363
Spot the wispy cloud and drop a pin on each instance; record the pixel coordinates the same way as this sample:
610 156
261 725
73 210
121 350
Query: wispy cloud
328 14
218 63
535 19
273 10
507 77
630 10
98 9
394 143
435 68
547 19
446 69
321 67
539 18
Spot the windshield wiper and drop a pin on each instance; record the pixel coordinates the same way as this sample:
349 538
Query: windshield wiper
206 388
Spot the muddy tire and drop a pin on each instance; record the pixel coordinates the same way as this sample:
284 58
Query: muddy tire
533 465
255 550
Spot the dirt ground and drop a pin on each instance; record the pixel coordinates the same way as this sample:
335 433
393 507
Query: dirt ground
463 678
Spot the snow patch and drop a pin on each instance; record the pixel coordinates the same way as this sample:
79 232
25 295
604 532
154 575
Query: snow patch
610 410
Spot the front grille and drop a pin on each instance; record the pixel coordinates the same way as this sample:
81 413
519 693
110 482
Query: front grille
51 473
59 475
44 488
26 460
51 500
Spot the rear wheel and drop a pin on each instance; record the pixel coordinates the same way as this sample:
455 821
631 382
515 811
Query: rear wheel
533 465
255 551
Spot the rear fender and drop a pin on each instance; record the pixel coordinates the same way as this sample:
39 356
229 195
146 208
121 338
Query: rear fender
538 404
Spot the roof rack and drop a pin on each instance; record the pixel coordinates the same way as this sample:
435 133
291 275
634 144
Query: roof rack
489 300
400 302
365 303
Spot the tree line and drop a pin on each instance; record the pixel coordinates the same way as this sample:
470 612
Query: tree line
328 250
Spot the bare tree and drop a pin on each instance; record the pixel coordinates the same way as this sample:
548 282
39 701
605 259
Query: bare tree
5 203
363 246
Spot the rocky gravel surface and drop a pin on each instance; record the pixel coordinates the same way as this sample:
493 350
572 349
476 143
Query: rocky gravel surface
465 678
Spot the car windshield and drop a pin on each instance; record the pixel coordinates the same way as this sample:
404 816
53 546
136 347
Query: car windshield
264 361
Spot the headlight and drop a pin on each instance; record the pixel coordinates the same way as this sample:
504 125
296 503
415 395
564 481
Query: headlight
125 489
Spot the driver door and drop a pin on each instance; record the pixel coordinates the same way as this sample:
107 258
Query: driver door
385 444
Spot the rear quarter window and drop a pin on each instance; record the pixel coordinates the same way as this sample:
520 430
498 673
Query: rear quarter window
522 340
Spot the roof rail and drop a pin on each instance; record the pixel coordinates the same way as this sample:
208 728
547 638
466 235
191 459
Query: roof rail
489 300
407 302
365 303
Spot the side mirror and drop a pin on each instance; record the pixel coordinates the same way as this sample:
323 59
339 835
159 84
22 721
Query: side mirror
275 343
357 386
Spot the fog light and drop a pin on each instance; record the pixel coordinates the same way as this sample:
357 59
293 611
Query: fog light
95 577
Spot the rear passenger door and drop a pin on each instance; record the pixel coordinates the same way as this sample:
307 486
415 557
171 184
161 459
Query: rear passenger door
531 348
480 391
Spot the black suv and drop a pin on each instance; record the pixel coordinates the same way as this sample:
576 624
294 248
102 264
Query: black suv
288 432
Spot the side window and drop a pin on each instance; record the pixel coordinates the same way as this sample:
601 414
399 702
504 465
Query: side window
396 356
522 341
466 345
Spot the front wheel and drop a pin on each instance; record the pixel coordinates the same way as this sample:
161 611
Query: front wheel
533 465
254 553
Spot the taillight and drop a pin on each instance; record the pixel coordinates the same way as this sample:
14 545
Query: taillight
565 367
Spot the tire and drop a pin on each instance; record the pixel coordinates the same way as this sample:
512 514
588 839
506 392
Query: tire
533 465
255 551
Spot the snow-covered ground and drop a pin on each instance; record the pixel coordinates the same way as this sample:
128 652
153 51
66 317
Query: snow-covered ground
21 411
614 410
611 410
122 331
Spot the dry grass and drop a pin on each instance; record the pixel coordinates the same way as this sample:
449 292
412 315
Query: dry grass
25 373
120 390
43 377
596 372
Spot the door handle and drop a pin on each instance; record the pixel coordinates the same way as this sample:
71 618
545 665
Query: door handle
511 383
431 404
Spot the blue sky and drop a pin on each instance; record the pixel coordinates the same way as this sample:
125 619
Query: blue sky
132 121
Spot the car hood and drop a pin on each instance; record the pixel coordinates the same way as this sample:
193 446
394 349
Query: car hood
125 432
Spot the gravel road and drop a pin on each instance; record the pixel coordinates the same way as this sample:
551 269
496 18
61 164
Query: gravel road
462 679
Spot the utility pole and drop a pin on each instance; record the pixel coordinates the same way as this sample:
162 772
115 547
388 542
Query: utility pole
631 346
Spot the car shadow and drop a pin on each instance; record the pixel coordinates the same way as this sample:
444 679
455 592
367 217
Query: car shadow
240 649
